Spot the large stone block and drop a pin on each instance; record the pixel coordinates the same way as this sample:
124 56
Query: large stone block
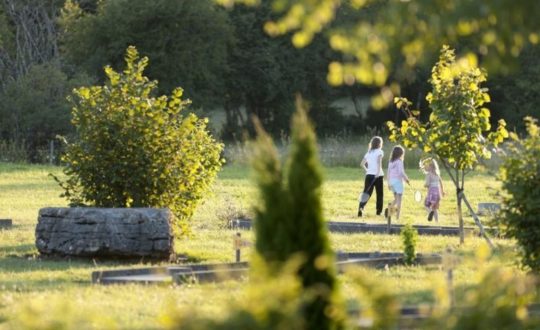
105 232
5 223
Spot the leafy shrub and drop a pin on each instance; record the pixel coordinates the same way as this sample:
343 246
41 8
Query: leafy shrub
379 306
228 212
136 150
409 236
271 301
498 301
56 313
520 173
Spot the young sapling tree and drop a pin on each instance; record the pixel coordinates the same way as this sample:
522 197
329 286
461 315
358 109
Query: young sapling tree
458 132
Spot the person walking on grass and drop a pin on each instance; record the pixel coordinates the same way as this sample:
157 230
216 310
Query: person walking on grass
396 176
434 186
372 164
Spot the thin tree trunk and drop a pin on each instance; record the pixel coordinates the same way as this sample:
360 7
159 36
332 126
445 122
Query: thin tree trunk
459 187
460 216
461 197
477 220
356 107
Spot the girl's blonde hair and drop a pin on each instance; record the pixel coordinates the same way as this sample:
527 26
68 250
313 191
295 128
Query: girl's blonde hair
397 153
426 163
375 143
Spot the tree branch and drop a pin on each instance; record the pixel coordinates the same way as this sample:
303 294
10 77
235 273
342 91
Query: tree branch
477 220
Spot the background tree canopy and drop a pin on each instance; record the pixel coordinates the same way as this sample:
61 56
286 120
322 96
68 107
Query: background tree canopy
186 40
235 62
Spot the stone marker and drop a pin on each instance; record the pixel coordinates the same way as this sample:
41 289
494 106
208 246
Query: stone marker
180 274
204 273
488 208
105 232
5 223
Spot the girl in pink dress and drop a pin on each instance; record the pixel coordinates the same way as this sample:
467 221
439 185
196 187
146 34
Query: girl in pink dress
435 189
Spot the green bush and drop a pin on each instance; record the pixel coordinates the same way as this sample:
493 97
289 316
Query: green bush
498 301
289 222
520 173
378 305
136 150
55 313
409 236
270 301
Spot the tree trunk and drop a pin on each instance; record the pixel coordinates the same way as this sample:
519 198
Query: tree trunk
477 221
461 197
35 35
460 216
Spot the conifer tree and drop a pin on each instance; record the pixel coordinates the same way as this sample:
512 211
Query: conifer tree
309 231
289 222
272 242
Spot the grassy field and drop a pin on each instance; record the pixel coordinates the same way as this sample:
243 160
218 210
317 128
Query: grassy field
30 286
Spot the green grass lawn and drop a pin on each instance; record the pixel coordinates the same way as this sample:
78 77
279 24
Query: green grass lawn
29 285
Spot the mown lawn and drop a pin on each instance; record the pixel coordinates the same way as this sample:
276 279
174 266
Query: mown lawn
39 288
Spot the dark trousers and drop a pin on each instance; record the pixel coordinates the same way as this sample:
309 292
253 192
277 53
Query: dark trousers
369 185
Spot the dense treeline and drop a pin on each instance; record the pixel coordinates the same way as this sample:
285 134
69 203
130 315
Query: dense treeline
223 59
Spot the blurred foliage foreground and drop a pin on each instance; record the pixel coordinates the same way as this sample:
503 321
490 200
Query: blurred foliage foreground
499 301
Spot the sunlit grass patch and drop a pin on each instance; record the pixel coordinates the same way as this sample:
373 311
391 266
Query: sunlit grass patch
27 281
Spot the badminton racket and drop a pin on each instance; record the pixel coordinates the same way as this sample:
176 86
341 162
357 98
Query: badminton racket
417 194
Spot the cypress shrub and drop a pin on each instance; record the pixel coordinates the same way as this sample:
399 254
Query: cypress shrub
289 221
409 237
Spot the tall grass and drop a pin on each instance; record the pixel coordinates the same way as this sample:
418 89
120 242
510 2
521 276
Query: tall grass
20 152
334 151
13 152
339 151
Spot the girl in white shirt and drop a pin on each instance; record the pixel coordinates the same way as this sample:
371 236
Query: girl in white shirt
372 163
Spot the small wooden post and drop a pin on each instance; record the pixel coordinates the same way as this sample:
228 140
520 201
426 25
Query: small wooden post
51 152
237 245
6 223
449 263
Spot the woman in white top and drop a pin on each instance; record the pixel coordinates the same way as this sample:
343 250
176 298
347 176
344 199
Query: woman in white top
372 163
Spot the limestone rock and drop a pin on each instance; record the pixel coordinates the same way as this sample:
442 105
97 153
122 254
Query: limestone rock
105 232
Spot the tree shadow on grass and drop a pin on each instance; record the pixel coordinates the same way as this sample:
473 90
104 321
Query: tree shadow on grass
33 285
40 187
30 263
18 250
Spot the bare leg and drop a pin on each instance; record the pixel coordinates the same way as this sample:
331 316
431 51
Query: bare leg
398 205
390 209
393 204
431 211
436 215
